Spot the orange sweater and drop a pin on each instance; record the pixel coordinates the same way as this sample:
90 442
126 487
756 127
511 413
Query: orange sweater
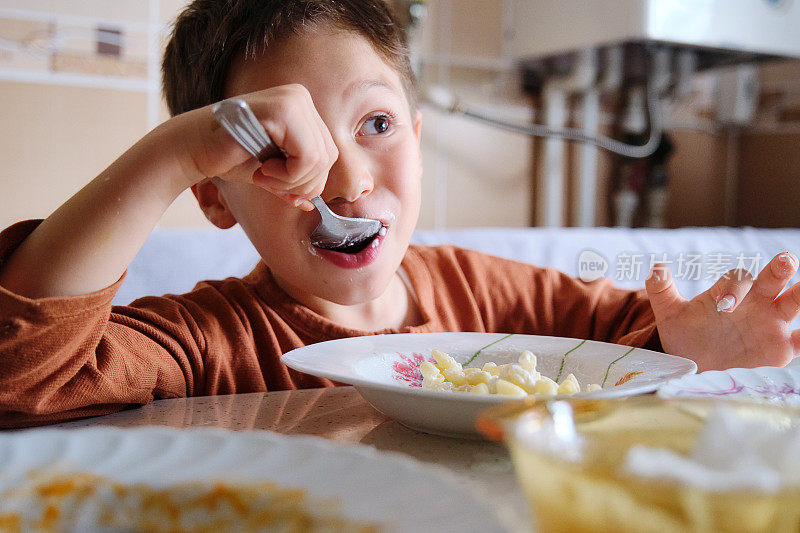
63 358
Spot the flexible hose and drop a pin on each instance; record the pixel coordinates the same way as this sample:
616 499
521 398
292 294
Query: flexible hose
574 134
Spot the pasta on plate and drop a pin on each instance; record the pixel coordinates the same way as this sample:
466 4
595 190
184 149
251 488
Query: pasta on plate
513 379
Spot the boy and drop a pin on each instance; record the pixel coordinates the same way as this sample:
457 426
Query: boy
331 82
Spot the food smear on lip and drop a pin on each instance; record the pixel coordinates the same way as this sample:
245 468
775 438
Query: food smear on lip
444 373
354 256
388 215
81 501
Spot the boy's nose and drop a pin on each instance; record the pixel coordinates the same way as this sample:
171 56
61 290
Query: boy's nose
349 178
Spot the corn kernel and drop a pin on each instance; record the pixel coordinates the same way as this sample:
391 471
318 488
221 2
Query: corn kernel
527 360
491 368
456 377
431 381
478 377
492 384
506 388
480 388
545 386
445 361
569 385
591 387
428 369
515 374
530 383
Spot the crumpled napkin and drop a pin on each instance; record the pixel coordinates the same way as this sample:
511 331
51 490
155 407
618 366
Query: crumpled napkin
731 452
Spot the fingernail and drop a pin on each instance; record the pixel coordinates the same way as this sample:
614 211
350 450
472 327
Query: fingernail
789 259
726 303
658 274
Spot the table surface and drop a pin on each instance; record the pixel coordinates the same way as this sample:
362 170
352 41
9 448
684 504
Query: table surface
339 414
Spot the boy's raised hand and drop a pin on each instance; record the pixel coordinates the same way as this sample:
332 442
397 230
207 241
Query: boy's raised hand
291 120
751 327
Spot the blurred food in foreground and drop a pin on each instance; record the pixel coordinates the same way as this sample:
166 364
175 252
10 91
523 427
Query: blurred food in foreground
81 502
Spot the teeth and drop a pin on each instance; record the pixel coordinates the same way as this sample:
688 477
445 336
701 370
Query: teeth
374 243
382 231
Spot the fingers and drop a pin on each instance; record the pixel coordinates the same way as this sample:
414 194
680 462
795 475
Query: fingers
796 342
773 278
304 138
730 289
662 291
788 304
291 120
296 197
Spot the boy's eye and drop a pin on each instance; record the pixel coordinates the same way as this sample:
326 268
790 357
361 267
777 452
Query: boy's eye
376 125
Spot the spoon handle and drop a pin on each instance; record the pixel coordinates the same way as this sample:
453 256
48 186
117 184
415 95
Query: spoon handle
236 116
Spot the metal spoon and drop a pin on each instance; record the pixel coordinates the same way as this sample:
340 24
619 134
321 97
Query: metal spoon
333 230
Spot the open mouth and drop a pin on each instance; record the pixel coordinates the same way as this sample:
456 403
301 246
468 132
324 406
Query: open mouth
356 246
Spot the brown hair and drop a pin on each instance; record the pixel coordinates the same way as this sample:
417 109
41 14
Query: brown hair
210 34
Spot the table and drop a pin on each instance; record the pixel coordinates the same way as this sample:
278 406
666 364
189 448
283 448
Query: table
339 414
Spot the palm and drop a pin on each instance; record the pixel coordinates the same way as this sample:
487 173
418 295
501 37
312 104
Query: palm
755 333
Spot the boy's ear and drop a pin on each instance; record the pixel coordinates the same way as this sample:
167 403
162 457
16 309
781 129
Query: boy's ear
213 204
418 126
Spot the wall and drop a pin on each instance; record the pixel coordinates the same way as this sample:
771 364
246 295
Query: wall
61 138
474 174
769 180
697 174
74 112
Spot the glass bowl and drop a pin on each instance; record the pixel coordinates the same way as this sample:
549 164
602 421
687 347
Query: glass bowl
586 488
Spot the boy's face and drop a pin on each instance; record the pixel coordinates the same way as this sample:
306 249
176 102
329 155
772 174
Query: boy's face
377 175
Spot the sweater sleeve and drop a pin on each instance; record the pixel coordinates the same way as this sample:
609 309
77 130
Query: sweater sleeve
68 357
516 297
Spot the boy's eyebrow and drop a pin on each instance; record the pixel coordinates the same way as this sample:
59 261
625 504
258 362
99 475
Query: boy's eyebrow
363 85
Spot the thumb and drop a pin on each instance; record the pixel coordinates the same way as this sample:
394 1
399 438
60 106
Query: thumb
662 291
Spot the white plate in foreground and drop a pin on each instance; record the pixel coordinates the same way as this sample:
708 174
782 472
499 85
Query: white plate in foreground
370 486
765 384
385 370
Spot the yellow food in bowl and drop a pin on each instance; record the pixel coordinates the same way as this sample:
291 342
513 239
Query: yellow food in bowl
592 490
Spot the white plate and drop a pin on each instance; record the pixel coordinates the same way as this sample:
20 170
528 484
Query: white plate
766 384
371 486
385 370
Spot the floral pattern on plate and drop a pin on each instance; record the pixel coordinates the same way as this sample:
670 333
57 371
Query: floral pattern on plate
764 384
